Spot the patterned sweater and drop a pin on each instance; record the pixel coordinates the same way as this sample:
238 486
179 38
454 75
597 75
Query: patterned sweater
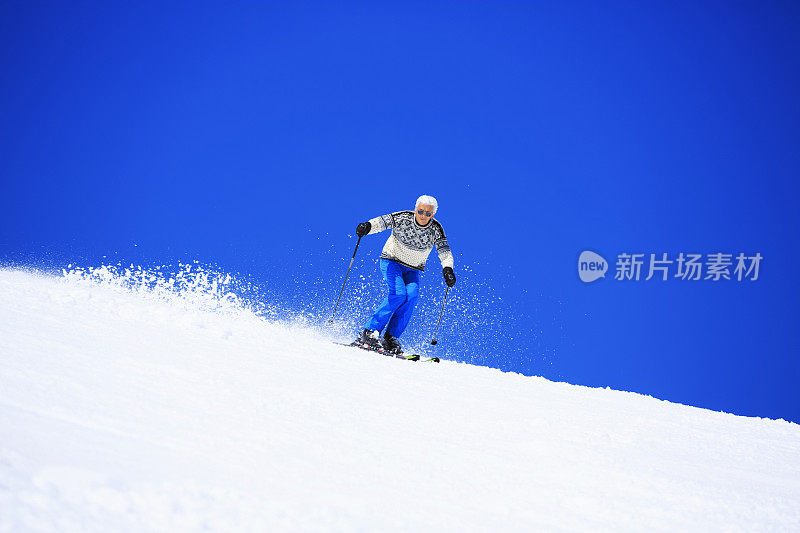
409 244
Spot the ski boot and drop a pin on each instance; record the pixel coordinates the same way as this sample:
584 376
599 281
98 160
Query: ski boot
391 344
369 338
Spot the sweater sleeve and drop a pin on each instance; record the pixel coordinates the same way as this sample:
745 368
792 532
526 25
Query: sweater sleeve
443 249
380 223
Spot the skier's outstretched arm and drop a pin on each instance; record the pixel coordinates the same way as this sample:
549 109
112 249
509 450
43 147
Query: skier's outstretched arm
374 225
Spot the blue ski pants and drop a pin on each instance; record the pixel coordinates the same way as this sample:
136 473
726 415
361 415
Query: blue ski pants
397 308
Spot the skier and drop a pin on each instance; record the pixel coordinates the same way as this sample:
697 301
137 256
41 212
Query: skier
414 234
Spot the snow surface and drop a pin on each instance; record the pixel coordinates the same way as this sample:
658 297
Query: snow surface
125 409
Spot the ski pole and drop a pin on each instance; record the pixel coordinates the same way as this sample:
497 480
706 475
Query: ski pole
434 341
345 280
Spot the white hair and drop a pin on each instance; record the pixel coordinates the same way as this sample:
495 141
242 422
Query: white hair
428 200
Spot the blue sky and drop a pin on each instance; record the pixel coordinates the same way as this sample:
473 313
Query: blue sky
255 136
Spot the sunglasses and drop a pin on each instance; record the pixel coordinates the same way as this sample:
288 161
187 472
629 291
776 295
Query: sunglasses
423 212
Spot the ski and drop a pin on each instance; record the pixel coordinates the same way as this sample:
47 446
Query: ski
406 356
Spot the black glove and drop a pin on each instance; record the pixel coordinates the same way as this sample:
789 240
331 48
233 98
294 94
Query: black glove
449 277
363 228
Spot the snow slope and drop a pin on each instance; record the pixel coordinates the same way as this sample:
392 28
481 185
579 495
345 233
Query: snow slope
124 410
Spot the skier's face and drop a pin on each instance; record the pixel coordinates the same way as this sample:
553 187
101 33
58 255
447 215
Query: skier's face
423 218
